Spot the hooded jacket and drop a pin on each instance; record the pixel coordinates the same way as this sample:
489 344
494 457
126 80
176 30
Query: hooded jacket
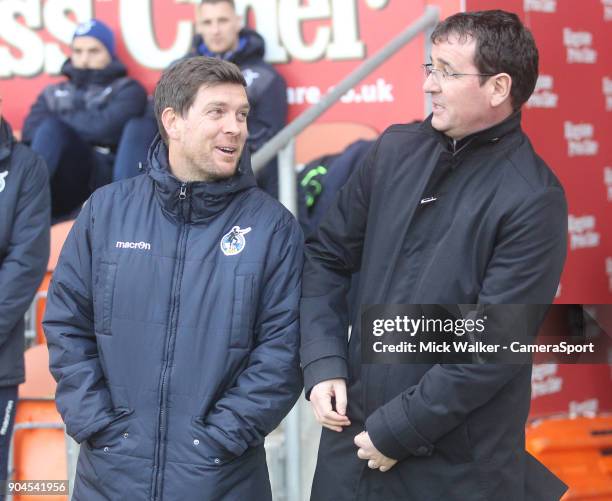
430 222
95 103
24 245
267 93
172 324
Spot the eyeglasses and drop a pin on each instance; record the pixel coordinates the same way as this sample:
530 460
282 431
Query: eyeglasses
443 75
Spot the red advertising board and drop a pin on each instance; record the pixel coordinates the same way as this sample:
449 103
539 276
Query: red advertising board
313 44
568 122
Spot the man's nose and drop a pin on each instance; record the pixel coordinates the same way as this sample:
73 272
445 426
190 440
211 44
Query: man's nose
431 84
231 125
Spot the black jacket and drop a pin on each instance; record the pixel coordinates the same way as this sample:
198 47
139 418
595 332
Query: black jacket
496 234
24 245
172 324
95 103
267 93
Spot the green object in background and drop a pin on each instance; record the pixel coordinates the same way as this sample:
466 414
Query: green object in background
312 186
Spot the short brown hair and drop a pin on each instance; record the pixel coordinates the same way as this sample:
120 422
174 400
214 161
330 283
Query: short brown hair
503 45
231 2
179 84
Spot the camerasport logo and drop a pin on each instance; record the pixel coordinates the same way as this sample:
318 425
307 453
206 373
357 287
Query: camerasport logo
608 181
545 380
544 96
606 87
607 9
578 44
609 272
582 232
580 140
548 6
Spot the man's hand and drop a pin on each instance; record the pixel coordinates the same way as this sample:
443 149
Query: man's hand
376 459
321 399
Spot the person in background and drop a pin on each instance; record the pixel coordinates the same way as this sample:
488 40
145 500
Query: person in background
220 35
75 125
24 251
172 318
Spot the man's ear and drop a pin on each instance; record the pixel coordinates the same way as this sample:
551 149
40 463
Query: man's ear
500 89
171 122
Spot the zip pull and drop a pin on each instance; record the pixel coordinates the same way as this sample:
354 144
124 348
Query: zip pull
183 192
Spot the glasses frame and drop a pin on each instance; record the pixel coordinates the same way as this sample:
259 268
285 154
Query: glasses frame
429 69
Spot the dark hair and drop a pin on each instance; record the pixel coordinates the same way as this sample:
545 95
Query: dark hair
179 84
231 2
503 45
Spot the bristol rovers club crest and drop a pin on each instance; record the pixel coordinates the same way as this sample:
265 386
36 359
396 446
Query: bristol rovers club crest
234 242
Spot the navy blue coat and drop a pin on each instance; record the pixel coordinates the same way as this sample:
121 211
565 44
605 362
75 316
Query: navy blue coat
25 216
172 324
95 103
496 234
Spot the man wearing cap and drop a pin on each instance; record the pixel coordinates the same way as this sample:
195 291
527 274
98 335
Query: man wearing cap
75 125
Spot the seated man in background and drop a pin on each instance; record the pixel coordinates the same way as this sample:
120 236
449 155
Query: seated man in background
75 125
24 251
220 35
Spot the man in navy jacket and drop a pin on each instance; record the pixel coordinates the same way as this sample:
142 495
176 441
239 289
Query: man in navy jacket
75 125
456 210
172 319
24 250
220 35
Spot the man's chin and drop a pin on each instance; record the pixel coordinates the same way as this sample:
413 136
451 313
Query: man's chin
224 172
438 124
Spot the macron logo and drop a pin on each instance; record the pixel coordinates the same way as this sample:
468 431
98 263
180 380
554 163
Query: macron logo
133 245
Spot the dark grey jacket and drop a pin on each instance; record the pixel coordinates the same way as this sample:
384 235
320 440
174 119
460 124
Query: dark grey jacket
495 234
95 103
24 245
172 323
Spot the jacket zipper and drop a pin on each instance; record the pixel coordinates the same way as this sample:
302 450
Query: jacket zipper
160 445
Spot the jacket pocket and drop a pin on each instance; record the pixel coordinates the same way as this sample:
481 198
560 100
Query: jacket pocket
242 312
206 451
105 291
113 433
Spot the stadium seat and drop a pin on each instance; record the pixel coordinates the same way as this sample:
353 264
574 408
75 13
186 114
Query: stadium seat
59 233
578 451
321 139
38 449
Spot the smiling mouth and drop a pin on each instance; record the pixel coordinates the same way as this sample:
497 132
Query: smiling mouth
227 150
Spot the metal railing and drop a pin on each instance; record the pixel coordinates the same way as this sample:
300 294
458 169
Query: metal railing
283 145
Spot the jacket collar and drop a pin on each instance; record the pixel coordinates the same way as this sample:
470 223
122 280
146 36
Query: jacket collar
202 200
251 46
105 76
491 135
6 140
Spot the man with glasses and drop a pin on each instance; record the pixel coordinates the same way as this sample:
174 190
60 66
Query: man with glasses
456 210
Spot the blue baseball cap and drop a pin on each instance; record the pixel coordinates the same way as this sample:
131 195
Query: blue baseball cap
98 30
